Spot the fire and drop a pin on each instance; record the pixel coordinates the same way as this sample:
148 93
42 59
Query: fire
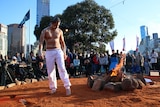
118 67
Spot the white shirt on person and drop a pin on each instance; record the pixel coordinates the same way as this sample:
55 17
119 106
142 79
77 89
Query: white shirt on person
154 57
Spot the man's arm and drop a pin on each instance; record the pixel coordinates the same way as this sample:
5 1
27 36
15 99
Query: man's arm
62 42
41 40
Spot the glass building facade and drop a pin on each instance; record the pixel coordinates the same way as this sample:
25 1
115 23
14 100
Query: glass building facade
43 9
144 31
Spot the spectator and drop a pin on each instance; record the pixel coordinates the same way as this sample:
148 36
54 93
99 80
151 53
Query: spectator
33 62
128 65
67 63
140 62
18 57
147 65
95 63
103 61
88 67
42 71
22 57
76 64
153 57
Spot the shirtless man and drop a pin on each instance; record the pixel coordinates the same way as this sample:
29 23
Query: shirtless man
55 53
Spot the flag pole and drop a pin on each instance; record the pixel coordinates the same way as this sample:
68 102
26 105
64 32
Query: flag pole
26 18
29 38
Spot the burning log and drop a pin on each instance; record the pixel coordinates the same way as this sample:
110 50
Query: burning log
116 80
116 75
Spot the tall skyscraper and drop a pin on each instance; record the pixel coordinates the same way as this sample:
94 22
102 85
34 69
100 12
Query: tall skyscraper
144 31
43 9
16 39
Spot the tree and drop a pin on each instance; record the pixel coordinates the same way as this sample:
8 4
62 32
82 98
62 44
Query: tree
88 22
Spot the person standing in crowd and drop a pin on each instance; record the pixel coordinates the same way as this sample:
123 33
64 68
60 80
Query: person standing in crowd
55 53
22 56
17 55
88 66
95 63
103 61
70 55
140 62
33 63
154 57
76 64
67 64
128 65
107 55
135 68
147 64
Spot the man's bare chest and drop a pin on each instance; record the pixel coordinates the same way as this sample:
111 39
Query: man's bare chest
50 35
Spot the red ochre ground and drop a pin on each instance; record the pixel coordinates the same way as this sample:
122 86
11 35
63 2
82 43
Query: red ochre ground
36 95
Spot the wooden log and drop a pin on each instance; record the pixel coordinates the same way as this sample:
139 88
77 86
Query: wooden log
98 84
113 86
117 86
129 84
109 86
139 76
140 84
90 81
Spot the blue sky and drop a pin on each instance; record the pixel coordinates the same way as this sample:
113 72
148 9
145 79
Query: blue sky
128 16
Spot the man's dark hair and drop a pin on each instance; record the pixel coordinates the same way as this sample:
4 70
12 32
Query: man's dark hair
55 19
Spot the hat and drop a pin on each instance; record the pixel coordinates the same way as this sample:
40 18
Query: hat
55 19
14 58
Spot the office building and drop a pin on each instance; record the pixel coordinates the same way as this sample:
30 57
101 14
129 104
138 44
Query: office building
144 31
155 39
16 39
3 39
155 35
43 9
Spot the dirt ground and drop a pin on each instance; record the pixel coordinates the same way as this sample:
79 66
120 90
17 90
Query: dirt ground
36 95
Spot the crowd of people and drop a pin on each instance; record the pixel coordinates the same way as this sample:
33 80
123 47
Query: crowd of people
77 65
138 63
99 63
19 67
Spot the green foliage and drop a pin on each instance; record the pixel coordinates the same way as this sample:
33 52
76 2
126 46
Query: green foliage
88 22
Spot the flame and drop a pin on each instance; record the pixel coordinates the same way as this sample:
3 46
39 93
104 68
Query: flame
118 67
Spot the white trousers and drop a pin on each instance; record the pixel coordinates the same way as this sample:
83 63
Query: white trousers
56 56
